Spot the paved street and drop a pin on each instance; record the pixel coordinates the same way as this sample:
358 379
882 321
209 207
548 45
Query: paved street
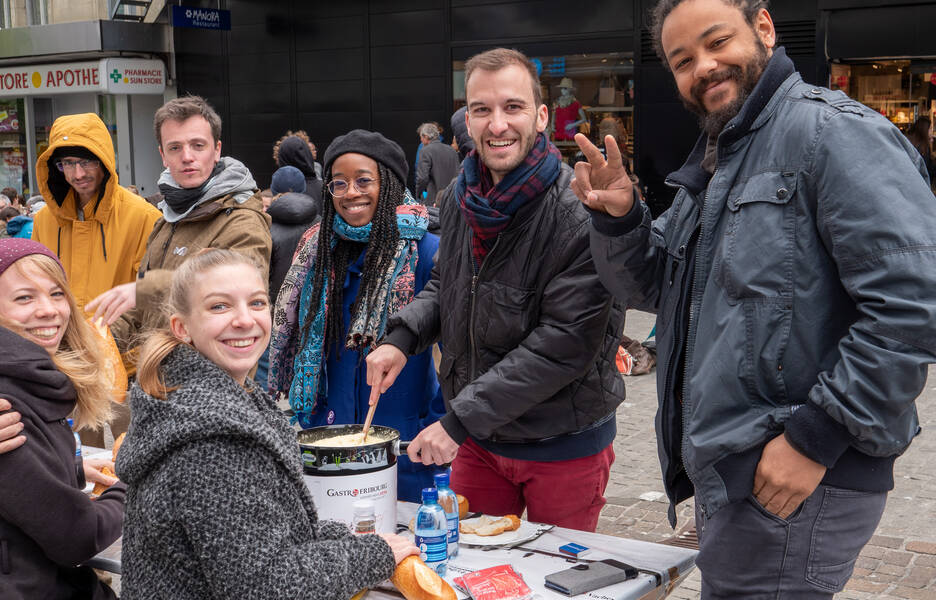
900 561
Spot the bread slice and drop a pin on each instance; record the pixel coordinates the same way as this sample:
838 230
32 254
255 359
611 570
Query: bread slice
487 525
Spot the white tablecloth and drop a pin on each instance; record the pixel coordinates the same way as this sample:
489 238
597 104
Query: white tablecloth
668 564
662 566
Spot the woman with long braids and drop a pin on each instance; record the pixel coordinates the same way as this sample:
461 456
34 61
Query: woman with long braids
373 258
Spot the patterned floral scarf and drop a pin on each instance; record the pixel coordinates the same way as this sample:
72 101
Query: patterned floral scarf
298 370
488 208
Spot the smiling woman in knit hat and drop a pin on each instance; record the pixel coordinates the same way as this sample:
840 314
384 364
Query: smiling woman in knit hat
50 369
367 258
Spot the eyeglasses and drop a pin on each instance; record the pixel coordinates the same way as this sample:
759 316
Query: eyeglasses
86 164
339 187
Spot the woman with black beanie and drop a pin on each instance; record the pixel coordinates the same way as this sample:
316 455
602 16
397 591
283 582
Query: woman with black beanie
367 258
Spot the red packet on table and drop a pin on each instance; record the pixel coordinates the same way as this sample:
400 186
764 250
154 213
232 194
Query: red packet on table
495 583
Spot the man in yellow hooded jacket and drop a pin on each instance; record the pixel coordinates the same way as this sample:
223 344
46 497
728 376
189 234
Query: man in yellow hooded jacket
97 228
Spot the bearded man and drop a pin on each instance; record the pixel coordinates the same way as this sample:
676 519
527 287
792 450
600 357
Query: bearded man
793 284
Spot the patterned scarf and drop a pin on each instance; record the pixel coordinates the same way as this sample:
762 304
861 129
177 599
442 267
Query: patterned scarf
299 370
488 208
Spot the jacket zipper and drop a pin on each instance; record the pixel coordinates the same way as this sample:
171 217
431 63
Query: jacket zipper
166 245
668 390
690 340
474 289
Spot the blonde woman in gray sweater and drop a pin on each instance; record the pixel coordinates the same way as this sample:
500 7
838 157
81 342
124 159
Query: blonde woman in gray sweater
216 503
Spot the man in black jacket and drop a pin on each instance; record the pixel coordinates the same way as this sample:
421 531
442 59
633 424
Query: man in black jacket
528 333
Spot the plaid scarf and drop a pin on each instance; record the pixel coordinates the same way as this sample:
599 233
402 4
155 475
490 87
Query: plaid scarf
297 365
488 208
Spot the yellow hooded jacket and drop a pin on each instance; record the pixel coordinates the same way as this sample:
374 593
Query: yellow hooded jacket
106 248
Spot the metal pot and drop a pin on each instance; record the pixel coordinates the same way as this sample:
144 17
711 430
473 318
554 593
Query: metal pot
338 475
336 460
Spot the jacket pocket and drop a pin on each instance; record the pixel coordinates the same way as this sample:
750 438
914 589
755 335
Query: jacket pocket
446 377
504 316
767 324
757 249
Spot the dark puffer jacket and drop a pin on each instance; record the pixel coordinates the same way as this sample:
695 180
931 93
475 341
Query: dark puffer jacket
48 524
216 502
292 215
528 343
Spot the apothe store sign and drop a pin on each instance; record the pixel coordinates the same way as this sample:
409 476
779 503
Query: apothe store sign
107 75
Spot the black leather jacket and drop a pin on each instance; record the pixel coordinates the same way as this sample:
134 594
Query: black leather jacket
529 340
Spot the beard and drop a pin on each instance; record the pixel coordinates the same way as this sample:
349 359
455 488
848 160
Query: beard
746 76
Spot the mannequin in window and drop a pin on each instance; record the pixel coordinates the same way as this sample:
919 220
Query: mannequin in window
567 113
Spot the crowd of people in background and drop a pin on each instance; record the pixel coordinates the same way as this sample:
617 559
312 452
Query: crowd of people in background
794 304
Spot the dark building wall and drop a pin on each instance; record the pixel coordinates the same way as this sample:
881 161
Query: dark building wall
856 30
328 67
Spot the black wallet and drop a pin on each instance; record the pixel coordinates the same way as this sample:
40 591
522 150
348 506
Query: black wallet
586 577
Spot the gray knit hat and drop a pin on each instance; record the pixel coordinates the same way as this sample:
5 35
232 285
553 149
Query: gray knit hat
372 144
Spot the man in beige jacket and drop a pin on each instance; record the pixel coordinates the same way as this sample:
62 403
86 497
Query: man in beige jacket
209 201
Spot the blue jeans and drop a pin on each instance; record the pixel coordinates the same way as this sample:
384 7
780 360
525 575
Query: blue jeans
747 552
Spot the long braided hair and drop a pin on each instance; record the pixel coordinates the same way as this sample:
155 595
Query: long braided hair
381 249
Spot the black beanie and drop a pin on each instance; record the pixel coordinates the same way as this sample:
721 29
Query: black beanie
372 144
76 151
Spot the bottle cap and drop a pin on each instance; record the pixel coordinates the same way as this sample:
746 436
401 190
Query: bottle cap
71 422
430 495
363 507
441 479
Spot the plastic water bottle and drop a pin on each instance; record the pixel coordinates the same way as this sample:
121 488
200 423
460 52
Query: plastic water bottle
449 504
79 464
432 532
365 519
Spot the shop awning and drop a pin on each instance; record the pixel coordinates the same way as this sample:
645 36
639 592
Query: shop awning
81 40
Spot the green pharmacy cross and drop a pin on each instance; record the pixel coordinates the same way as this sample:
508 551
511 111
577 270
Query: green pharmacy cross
115 75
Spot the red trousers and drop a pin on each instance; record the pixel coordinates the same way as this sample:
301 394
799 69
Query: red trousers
567 493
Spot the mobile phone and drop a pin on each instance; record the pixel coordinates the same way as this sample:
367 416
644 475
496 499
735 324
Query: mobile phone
586 577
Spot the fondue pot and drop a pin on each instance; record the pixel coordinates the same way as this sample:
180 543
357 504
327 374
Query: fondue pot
337 476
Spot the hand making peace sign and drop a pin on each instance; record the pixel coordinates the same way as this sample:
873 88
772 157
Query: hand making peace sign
601 184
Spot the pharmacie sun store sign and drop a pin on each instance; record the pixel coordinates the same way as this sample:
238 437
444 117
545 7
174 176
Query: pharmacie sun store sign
107 75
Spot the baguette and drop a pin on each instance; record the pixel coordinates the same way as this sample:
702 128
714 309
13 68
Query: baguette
416 581
100 488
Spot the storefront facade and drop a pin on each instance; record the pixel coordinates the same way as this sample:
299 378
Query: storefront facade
91 74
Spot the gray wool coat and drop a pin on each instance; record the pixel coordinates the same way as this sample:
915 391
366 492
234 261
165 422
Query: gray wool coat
216 504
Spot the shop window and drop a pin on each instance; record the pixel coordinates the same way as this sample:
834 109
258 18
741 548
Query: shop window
13 146
588 93
903 91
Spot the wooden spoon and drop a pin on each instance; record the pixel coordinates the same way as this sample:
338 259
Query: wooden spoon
374 398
